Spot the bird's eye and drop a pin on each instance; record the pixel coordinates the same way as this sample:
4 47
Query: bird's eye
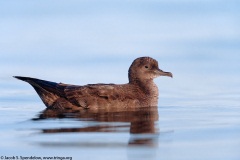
146 66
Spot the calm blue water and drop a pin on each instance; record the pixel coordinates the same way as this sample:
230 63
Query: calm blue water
82 42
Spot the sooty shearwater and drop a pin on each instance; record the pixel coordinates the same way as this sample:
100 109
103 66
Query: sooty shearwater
141 91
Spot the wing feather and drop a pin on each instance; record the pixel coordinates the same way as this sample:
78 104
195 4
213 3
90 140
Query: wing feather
84 96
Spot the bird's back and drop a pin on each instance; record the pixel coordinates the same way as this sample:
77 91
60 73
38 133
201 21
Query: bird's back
93 96
103 96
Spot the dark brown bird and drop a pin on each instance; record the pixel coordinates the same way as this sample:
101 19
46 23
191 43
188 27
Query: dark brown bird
141 91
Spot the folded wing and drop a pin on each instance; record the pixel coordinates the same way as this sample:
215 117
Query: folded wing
93 94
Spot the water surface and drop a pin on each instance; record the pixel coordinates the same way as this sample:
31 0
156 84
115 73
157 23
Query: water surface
168 132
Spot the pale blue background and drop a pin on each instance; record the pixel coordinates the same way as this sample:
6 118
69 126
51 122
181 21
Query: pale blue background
93 41
81 42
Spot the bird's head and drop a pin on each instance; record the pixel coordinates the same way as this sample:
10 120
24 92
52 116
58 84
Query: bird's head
145 68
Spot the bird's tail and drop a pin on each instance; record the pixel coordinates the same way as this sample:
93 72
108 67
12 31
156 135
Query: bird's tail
48 91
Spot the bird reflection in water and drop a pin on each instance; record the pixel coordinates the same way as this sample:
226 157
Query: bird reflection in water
138 121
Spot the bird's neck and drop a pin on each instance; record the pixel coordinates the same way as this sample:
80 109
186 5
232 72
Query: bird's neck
148 87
